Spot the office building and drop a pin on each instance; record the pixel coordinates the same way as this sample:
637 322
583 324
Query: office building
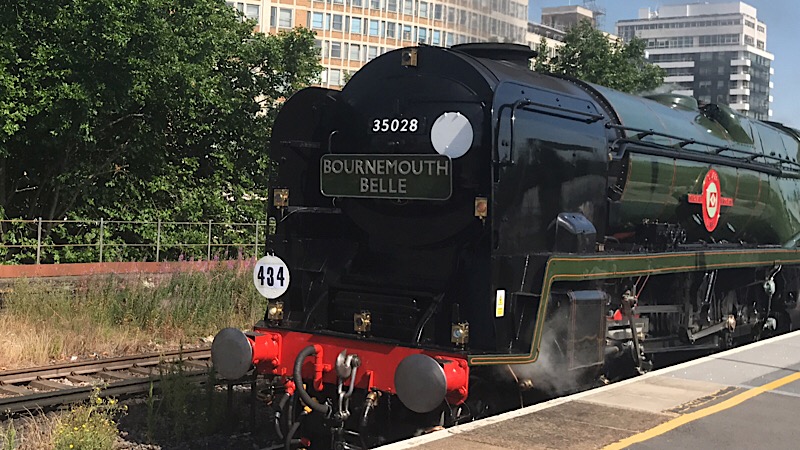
714 52
557 20
352 32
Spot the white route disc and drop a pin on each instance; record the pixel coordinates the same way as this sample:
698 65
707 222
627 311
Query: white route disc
271 277
451 134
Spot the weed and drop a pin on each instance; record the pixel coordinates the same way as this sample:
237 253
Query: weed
183 409
89 426
41 321
8 437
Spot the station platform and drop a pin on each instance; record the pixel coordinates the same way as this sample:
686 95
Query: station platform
744 398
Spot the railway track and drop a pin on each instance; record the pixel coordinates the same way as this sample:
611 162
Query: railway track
49 386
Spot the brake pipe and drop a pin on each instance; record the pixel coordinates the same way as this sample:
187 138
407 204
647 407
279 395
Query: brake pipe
311 350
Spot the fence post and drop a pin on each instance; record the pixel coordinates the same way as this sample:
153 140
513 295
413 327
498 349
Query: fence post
39 241
102 231
255 250
209 240
158 241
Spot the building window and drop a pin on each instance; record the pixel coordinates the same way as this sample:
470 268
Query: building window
423 35
356 3
408 7
375 4
355 25
239 6
437 12
337 23
317 21
406 32
372 52
391 5
719 39
390 30
760 45
336 50
285 18
252 12
355 52
436 38
423 9
335 77
374 28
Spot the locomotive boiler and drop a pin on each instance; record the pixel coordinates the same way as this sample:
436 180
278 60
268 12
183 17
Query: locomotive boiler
453 235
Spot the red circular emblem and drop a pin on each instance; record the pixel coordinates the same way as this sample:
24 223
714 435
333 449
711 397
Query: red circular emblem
711 200
711 194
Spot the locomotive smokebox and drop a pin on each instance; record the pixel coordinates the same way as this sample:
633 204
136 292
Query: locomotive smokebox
231 354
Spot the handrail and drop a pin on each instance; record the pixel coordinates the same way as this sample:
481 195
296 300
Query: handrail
27 240
683 142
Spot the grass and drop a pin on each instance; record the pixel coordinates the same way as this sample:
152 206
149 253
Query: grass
182 409
41 322
89 426
29 433
180 412
8 436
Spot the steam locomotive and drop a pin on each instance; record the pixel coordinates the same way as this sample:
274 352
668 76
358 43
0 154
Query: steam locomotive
465 235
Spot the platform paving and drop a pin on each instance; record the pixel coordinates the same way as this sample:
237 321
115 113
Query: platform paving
744 398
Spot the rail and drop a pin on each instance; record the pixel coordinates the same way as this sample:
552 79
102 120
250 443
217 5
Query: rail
43 387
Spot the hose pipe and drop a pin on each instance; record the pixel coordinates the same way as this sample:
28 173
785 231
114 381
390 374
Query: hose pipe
281 404
298 381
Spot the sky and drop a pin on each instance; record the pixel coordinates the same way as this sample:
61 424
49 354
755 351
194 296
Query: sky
782 18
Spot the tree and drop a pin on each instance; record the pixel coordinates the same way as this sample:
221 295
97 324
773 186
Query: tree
588 54
140 109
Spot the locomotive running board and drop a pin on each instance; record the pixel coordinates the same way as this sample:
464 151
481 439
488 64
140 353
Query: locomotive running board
611 266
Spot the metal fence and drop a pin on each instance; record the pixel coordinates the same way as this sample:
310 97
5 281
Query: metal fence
54 241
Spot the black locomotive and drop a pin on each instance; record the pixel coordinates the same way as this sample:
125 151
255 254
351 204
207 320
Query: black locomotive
464 235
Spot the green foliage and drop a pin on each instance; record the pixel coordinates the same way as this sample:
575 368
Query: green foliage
140 109
182 410
197 304
8 436
90 426
127 241
589 55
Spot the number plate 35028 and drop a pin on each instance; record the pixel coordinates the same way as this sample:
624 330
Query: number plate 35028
411 125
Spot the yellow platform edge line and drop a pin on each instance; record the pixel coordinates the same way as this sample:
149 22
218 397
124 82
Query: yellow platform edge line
699 414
